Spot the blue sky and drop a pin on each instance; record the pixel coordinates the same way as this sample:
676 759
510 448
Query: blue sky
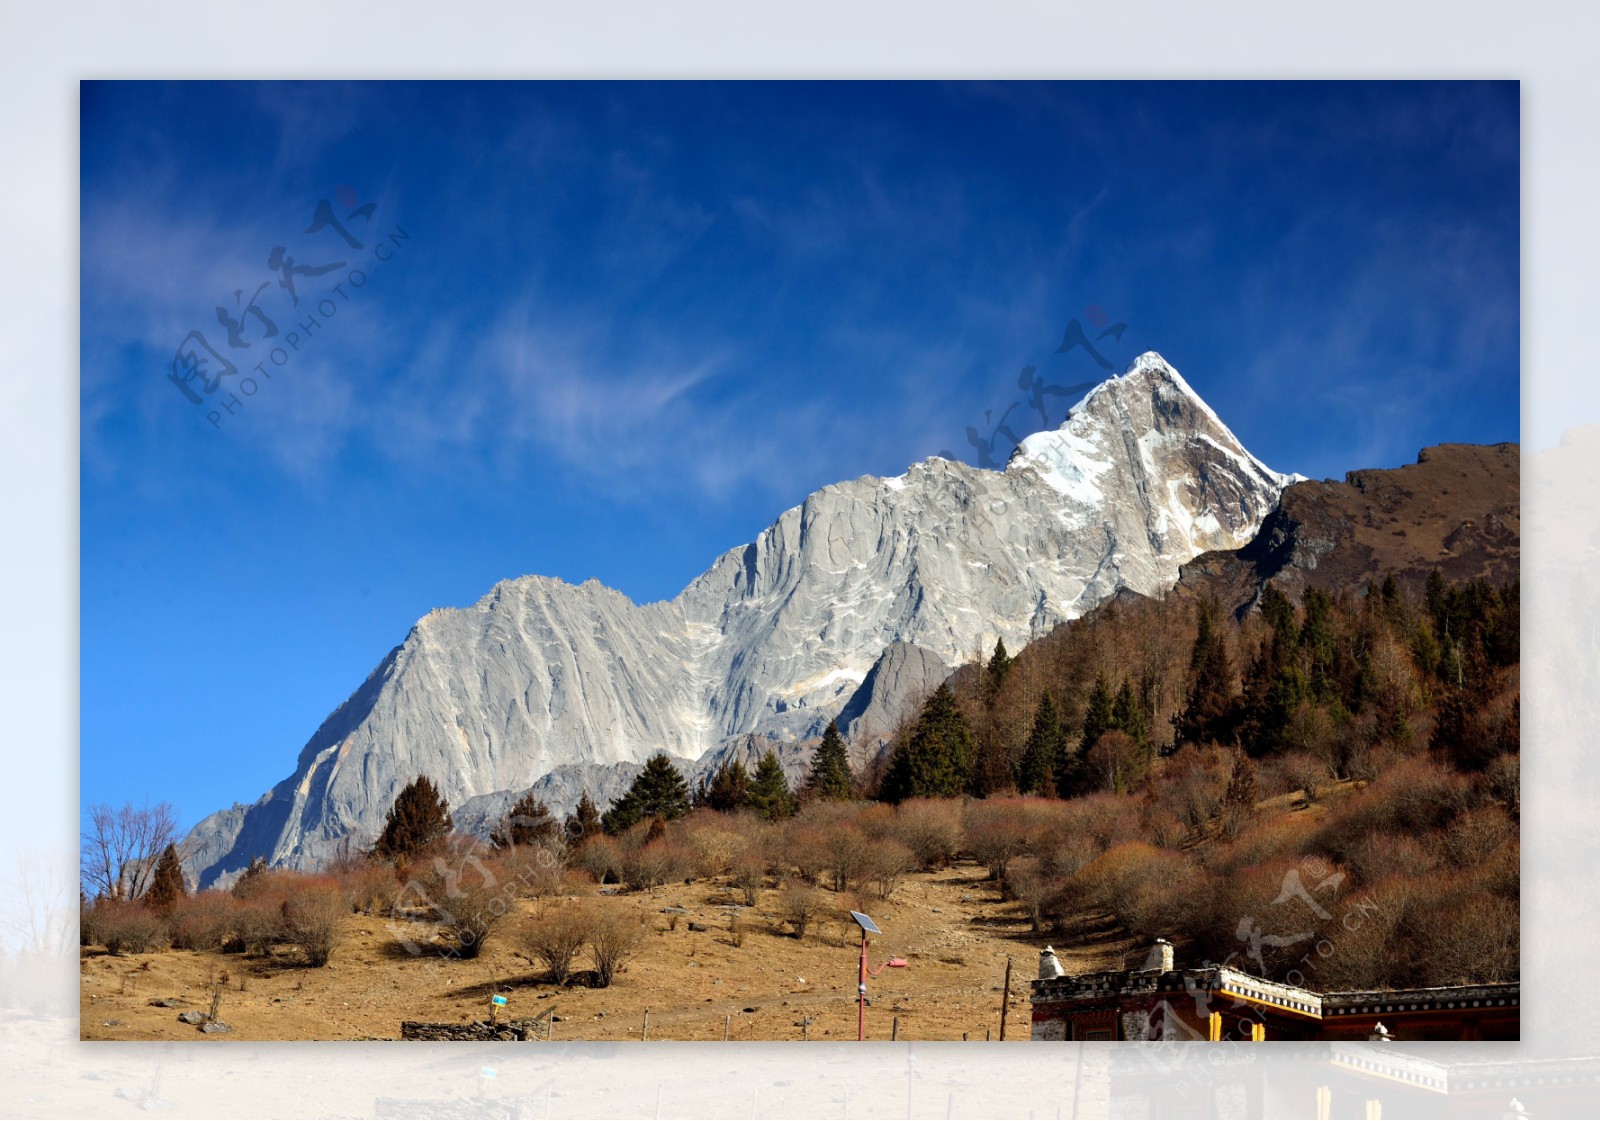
611 330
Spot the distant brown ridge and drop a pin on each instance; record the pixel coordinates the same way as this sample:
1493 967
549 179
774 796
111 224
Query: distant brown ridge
1457 509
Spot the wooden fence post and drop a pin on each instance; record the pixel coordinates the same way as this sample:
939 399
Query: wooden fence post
1005 1000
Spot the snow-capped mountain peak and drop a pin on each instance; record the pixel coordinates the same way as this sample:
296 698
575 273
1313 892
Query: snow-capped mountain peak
776 636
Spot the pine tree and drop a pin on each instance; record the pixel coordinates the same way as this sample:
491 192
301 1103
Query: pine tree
1000 663
418 817
1279 613
659 791
583 822
1208 712
1100 717
730 788
1127 713
769 790
529 822
936 759
1317 638
1046 753
830 768
166 884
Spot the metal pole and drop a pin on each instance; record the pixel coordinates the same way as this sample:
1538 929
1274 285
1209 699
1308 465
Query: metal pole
894 1031
861 994
645 1035
727 1022
1005 1000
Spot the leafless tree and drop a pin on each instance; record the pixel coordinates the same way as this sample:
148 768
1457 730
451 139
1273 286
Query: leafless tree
36 909
120 847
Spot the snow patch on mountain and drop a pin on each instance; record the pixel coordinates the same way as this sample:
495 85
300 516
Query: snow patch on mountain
543 678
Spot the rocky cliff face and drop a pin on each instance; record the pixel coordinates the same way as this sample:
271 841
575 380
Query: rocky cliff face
542 679
1457 509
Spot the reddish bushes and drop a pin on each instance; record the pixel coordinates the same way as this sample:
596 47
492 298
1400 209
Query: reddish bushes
368 886
601 857
999 830
311 918
614 937
202 921
930 828
123 927
749 873
649 865
799 904
804 848
555 938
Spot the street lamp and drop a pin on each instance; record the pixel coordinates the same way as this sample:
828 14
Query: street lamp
868 927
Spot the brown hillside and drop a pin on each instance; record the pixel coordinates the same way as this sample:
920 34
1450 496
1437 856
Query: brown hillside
1457 509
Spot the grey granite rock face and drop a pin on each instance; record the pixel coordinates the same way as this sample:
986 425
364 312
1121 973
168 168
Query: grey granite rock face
544 682
895 688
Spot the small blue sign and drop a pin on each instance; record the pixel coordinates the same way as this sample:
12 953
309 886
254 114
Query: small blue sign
498 1000
487 1072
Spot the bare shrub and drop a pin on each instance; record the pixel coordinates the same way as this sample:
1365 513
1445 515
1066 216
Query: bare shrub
555 938
123 927
1191 784
1467 936
614 937
847 855
798 905
749 873
1063 850
1027 882
1413 797
1148 889
1503 781
1378 856
1161 826
1116 762
272 884
931 828
1478 835
1367 952
713 841
1267 839
998 831
601 857
805 848
474 909
311 918
1111 819
1294 772
369 886
883 861
203 921
257 925
656 862
531 871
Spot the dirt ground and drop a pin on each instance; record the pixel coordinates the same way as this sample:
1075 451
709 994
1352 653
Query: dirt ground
950 926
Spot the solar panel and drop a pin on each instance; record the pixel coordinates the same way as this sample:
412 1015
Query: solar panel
865 923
